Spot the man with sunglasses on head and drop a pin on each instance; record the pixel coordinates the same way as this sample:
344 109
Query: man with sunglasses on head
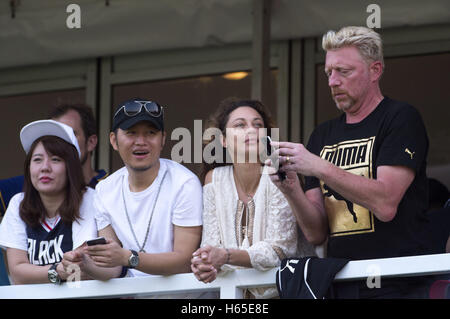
152 206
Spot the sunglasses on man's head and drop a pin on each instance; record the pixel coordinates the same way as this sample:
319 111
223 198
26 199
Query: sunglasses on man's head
133 108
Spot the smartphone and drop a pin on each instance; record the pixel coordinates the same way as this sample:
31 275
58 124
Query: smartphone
270 150
96 241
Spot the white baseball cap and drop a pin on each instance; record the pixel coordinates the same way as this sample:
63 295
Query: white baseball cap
34 130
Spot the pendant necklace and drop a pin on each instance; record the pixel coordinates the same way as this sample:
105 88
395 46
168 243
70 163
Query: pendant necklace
141 248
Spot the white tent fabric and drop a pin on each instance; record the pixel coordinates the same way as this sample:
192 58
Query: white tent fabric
38 33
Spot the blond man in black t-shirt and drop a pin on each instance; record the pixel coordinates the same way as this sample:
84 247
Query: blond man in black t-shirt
365 187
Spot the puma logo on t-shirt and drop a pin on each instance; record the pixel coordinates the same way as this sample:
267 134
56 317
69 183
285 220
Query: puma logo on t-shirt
410 153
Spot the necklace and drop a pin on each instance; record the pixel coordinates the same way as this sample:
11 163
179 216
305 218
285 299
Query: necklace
239 185
141 248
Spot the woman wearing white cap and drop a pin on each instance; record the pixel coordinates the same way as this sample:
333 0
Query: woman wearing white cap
44 225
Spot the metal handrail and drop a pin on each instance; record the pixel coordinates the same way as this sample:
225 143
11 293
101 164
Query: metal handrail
230 285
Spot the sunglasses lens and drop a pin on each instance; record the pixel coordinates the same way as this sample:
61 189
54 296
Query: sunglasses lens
132 108
153 108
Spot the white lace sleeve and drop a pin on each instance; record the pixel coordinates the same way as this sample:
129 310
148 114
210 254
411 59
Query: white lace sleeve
211 231
281 235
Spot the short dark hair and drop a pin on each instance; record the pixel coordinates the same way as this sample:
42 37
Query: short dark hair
88 122
32 210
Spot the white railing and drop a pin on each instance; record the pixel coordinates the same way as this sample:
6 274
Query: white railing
229 286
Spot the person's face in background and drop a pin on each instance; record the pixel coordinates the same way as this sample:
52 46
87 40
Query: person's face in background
242 138
47 172
86 144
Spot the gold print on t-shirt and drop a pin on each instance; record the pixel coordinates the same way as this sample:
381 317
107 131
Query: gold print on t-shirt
345 217
410 153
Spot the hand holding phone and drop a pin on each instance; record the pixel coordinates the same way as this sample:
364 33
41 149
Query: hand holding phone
96 241
270 150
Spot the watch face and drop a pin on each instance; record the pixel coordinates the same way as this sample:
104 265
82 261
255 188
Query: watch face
53 276
133 260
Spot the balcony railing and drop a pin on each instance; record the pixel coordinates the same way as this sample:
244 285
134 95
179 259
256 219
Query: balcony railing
229 286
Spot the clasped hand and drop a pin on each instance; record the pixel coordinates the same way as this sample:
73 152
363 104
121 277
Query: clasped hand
108 255
80 259
207 261
74 261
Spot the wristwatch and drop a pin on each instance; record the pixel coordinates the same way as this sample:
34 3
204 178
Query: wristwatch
53 275
133 261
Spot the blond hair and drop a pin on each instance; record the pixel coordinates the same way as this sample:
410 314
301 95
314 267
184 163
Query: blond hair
367 41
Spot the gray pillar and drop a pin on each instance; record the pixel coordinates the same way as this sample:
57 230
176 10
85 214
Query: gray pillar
104 150
261 50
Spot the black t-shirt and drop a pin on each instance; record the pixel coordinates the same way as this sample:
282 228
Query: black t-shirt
439 229
392 135
46 248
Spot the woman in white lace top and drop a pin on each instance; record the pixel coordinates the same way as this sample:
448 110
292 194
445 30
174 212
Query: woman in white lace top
247 222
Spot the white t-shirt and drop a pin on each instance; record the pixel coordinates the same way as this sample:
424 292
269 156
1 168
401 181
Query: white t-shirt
180 202
13 232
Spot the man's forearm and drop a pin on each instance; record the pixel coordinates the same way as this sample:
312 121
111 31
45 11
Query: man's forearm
369 193
164 263
310 217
